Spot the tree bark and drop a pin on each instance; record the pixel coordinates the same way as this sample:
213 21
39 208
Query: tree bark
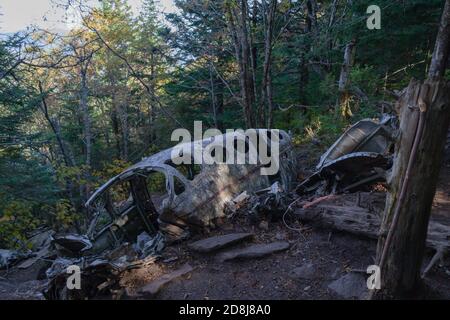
424 114
411 192
86 120
87 135
329 36
237 20
344 78
268 12
59 139
213 97
311 10
441 49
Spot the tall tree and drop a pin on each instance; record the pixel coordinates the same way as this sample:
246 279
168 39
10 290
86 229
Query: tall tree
424 121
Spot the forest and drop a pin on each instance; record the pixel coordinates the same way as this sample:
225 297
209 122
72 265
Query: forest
77 108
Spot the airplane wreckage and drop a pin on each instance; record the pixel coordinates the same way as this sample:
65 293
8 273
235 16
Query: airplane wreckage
198 197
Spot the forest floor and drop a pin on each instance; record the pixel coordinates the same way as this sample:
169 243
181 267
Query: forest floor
315 259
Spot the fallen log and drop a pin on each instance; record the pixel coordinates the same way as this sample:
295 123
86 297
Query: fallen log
364 222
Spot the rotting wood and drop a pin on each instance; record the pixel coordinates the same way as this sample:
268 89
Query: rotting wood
364 222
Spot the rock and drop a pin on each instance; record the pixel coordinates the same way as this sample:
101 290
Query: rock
10 257
219 242
30 290
30 261
306 271
351 285
155 286
264 225
254 251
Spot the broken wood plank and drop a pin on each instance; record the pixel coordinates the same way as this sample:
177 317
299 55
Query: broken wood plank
218 242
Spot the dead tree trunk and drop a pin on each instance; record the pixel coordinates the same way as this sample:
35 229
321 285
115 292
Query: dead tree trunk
238 25
305 50
56 132
213 96
344 79
442 46
424 119
86 119
268 12
424 112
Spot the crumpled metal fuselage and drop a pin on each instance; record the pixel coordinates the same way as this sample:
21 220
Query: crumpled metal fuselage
358 158
200 202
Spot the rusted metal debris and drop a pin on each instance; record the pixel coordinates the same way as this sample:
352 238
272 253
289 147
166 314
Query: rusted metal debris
358 158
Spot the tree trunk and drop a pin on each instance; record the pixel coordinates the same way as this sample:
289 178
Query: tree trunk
329 36
254 26
57 133
68 158
311 8
303 76
424 108
213 97
237 20
219 91
305 51
344 79
441 49
268 12
115 127
87 136
125 132
249 85
152 102
86 119
424 119
270 101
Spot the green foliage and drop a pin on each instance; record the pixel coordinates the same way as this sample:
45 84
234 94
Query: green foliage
366 78
16 220
65 215
156 182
